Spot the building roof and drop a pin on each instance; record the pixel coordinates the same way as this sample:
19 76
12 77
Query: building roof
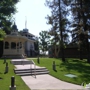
14 27
15 37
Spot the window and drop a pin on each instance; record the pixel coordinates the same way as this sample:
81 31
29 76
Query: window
26 35
19 45
6 45
13 45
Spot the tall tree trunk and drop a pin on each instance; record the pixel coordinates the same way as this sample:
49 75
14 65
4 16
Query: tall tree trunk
60 28
1 48
88 52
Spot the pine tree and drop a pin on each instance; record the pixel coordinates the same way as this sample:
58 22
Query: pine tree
59 22
81 24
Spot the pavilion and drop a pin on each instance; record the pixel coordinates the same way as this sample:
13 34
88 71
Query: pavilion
14 44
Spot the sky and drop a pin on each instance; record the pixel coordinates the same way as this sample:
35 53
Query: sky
35 11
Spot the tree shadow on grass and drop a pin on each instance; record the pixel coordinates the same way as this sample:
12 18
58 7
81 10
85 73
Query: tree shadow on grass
0 73
80 67
1 78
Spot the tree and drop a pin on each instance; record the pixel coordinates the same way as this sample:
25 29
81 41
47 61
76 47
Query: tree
81 16
2 34
59 22
44 41
7 10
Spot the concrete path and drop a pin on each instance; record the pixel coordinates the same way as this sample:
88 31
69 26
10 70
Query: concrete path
45 81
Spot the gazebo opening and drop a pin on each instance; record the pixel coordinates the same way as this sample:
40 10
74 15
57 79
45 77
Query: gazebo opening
6 45
13 45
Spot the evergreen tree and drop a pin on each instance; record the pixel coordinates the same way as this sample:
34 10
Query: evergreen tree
81 24
59 22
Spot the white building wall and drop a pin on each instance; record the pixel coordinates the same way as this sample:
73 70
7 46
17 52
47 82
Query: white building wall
32 46
28 45
28 48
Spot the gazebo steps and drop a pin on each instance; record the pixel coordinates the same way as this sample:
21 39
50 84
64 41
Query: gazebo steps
27 72
13 56
21 62
40 68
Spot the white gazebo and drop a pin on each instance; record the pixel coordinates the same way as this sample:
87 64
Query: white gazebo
14 44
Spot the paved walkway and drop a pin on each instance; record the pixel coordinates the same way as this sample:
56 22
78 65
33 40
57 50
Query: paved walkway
45 81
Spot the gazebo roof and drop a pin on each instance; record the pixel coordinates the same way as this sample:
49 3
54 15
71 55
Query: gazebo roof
16 37
14 27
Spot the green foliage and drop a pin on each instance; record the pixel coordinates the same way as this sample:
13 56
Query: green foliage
81 24
59 22
44 40
81 19
55 20
2 34
7 9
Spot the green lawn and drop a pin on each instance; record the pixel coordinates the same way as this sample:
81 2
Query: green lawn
72 66
6 78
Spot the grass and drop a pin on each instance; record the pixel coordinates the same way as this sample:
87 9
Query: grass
72 66
5 82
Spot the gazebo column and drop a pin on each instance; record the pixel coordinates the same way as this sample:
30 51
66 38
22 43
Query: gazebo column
17 46
3 45
10 45
23 47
